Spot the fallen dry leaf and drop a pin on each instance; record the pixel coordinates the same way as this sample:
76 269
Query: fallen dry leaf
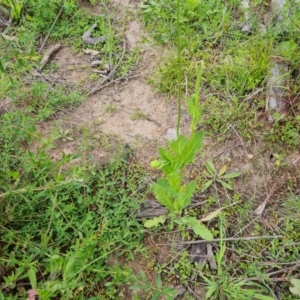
260 209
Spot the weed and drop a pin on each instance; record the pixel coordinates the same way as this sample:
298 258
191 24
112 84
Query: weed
129 62
218 176
170 191
110 108
154 291
224 287
64 135
138 115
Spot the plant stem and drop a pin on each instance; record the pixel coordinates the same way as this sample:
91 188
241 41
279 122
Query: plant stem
178 69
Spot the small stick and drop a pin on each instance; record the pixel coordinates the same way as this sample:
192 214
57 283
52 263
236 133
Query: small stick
90 40
109 83
248 238
46 38
151 120
105 6
273 273
111 74
47 55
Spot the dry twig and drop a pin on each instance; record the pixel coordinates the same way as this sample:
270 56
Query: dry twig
248 238
47 56
102 84
86 37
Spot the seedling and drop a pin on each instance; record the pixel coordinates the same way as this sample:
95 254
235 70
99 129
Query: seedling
64 135
219 177
138 115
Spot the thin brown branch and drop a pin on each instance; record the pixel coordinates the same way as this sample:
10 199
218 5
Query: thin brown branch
47 55
248 238
111 82
102 84
273 273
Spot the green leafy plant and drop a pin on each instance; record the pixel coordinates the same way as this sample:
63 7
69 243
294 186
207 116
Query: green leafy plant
170 190
156 290
60 222
64 135
220 176
138 115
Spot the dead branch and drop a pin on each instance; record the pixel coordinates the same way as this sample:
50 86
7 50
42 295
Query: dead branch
248 238
101 85
47 56
274 273
86 37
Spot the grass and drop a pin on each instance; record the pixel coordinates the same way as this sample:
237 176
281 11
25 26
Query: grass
68 226
61 221
61 227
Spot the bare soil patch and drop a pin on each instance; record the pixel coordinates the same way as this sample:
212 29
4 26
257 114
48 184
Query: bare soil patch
128 111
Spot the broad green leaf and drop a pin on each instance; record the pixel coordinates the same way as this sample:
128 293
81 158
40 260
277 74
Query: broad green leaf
185 195
163 197
164 183
295 289
193 146
174 180
210 168
191 107
2 69
68 269
197 227
158 281
225 185
32 278
211 215
223 170
194 111
179 144
232 175
206 185
14 174
165 155
203 231
170 161
55 263
108 283
213 286
155 221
